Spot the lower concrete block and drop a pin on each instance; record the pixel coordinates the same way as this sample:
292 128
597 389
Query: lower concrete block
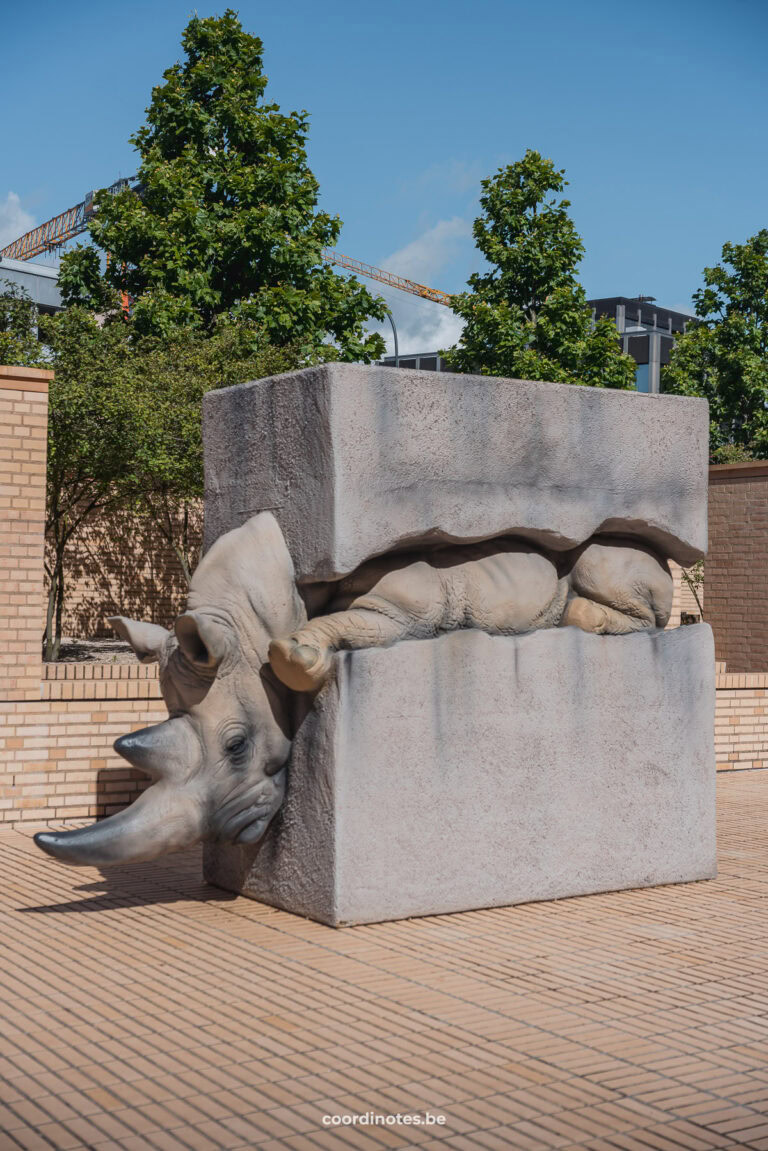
478 771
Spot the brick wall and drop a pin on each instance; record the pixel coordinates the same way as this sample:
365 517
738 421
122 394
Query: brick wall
737 564
56 757
59 762
23 443
683 599
122 565
741 721
57 723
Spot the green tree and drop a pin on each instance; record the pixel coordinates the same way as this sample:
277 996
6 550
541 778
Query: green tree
724 356
226 220
168 380
125 430
19 345
89 451
82 284
527 316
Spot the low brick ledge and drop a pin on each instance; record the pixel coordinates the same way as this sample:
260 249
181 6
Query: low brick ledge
148 671
64 681
741 680
58 671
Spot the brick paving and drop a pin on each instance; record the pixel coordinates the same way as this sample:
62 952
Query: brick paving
144 1011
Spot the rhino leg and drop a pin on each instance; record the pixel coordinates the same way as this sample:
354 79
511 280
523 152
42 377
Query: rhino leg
499 588
618 589
407 603
600 619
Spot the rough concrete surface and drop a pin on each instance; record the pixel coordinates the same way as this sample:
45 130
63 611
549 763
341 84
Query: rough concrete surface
355 461
473 771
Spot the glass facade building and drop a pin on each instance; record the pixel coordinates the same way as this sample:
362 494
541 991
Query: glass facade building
646 331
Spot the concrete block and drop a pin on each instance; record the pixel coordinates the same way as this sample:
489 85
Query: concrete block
355 461
477 771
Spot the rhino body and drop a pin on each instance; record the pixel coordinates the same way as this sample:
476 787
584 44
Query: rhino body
231 665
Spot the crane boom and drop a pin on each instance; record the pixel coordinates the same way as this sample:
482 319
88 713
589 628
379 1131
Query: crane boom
374 273
53 233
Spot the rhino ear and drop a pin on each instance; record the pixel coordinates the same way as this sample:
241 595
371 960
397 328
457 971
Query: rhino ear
146 639
203 640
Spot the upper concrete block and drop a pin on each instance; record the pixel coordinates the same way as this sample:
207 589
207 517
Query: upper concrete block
355 461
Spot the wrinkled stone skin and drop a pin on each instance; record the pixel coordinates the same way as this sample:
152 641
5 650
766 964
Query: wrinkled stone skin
504 587
219 760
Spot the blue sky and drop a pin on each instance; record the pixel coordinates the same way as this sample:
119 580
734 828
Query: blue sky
657 112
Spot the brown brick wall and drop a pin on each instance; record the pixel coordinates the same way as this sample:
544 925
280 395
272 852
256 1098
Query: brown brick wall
58 723
741 721
56 757
57 762
122 565
23 443
737 565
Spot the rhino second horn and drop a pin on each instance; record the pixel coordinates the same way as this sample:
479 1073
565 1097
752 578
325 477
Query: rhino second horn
161 820
162 750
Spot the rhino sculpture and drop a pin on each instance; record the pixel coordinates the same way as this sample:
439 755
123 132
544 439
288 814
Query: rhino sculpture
231 666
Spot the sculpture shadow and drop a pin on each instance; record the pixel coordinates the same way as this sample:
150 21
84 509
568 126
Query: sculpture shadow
117 787
176 879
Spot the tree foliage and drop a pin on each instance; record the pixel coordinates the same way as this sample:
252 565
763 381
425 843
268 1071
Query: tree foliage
82 284
125 429
724 356
527 316
219 249
19 345
168 381
89 446
226 220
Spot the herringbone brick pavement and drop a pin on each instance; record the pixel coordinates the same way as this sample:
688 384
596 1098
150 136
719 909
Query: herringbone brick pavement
144 1011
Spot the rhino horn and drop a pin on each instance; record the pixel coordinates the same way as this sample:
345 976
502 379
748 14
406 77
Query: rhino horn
161 750
161 820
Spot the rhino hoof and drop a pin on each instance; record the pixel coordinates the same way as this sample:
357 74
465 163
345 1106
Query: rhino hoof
299 665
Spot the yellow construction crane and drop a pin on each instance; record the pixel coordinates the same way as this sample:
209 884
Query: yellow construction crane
374 273
54 233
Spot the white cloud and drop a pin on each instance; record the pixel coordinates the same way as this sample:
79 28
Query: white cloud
14 220
427 255
422 326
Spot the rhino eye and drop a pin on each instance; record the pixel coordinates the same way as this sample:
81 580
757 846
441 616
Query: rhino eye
236 747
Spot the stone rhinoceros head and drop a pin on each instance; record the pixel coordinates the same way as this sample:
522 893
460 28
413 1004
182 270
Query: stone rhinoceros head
218 761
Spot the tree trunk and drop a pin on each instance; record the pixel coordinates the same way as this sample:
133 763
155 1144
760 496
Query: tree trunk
48 642
59 607
55 606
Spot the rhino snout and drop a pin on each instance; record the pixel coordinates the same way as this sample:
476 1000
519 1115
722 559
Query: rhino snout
245 814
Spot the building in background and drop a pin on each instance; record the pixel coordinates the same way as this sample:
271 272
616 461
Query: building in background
647 334
647 331
39 281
